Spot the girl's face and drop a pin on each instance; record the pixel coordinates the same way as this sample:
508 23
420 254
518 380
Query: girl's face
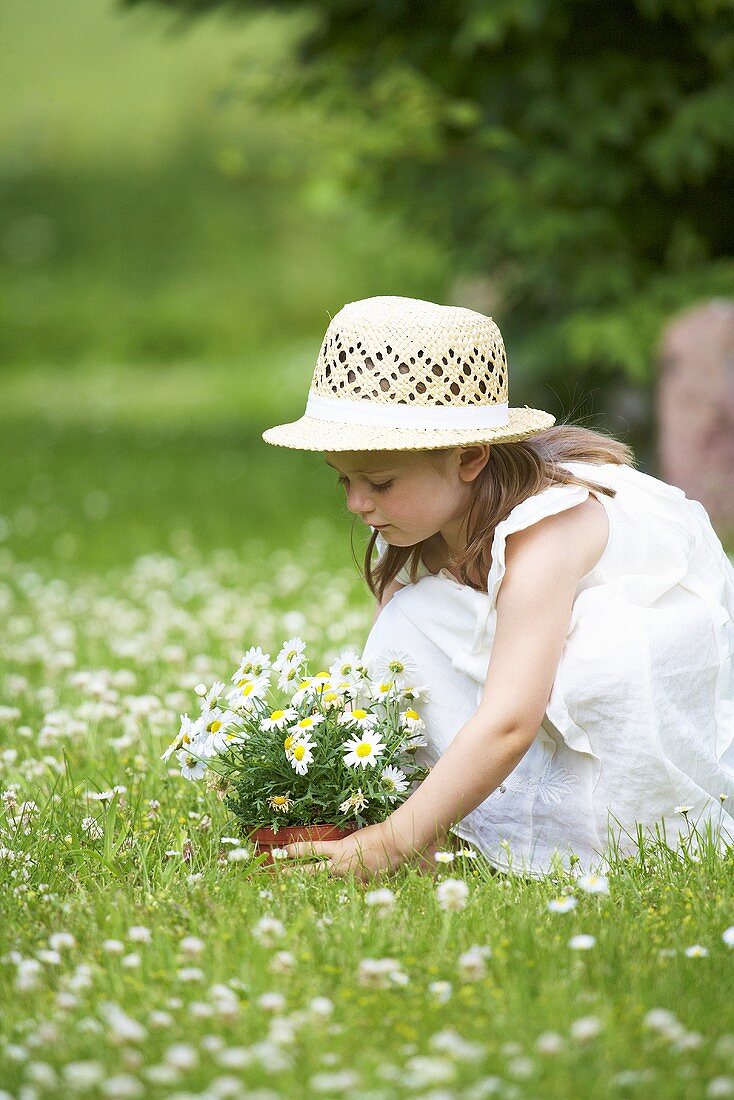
410 495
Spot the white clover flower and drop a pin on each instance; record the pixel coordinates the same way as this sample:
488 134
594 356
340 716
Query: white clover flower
92 828
472 964
238 855
113 947
321 1007
191 945
363 751
441 991
181 1056
452 894
720 1086
582 942
593 884
562 905
660 1019
444 857
272 1002
728 936
268 930
282 962
379 973
382 900
138 933
550 1042
585 1027
190 974
61 941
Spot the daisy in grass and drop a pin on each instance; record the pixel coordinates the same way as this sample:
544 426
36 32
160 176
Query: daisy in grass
393 781
279 719
300 754
363 751
281 803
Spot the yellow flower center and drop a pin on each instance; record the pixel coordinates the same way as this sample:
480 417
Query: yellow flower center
215 726
288 742
330 696
299 752
412 713
279 799
358 713
276 714
364 749
305 723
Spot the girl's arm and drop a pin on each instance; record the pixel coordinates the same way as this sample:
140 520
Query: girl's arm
544 564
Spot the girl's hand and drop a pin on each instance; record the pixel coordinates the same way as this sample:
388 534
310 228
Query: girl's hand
366 852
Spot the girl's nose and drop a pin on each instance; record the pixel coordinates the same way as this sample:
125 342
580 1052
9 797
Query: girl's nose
358 501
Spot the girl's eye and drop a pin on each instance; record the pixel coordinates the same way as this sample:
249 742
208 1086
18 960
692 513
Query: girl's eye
341 480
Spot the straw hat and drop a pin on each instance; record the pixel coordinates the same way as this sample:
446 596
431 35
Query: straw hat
403 374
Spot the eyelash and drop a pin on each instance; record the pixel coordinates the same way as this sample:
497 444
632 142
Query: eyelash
341 480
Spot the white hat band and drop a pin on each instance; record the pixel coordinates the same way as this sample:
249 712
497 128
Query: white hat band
380 414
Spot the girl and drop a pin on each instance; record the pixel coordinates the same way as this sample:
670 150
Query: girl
571 617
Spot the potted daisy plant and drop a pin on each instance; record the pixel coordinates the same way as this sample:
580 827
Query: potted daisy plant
311 756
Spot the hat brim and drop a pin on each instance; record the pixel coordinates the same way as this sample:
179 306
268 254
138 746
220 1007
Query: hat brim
310 434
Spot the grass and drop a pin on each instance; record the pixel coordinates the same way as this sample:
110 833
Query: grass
149 537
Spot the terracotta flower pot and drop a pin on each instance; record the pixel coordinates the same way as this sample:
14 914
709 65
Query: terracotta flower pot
264 839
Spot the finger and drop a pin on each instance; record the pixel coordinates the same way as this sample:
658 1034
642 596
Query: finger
300 848
305 868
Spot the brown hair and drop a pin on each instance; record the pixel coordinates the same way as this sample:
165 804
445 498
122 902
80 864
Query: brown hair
513 472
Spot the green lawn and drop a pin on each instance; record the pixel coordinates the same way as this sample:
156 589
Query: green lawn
148 537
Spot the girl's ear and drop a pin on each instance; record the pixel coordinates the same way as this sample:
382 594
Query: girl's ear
472 460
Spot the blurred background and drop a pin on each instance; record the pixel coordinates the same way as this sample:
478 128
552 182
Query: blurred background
190 189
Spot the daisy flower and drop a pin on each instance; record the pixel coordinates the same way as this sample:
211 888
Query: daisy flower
213 737
364 750
411 720
191 768
281 803
562 905
397 666
364 719
279 719
187 733
412 692
301 755
594 884
312 685
254 663
393 781
682 810
291 654
247 689
348 666
356 801
211 699
385 689
307 723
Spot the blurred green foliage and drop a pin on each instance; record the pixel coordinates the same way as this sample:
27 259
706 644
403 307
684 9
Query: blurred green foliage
577 155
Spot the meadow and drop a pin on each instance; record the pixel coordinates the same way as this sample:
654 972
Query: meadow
161 303
144 951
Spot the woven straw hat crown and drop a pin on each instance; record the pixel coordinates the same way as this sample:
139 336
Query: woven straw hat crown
399 373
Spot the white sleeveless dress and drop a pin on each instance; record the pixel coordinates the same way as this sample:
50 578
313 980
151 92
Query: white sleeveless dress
640 718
